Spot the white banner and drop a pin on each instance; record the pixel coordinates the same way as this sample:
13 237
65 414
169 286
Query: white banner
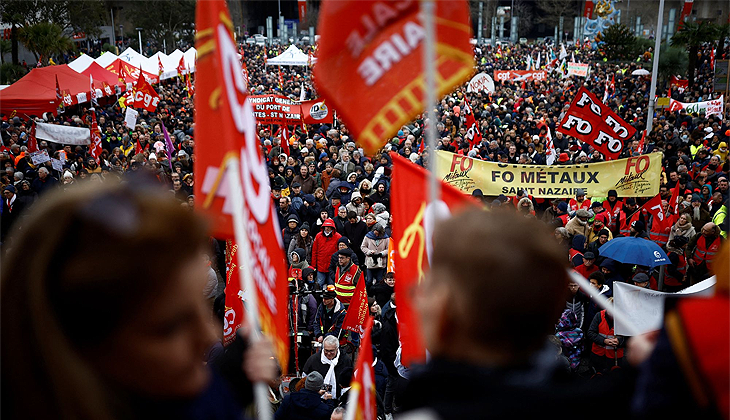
39 157
578 69
644 308
63 134
705 107
481 82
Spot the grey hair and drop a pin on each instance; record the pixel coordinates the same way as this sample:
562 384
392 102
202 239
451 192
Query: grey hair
331 339
43 169
339 410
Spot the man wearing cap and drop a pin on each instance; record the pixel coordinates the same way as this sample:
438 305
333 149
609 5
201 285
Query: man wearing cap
638 230
347 275
599 224
307 403
578 225
641 280
580 201
589 264
12 208
702 251
330 314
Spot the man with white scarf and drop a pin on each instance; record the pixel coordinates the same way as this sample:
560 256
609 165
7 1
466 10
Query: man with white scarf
329 362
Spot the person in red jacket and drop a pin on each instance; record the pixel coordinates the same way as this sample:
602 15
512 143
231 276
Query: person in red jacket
588 267
325 244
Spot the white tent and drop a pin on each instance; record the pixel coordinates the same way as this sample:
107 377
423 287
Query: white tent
82 63
136 59
293 56
190 57
106 59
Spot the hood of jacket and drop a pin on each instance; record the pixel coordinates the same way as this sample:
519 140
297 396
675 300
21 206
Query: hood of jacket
578 243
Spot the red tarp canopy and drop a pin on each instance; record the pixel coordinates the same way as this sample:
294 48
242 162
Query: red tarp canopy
102 75
35 93
129 73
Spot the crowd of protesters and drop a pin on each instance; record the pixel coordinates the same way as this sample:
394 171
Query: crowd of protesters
333 201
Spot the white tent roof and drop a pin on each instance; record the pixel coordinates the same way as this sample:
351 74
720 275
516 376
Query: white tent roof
190 57
293 56
82 63
106 59
136 59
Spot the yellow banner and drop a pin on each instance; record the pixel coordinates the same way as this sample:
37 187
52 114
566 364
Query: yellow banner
637 176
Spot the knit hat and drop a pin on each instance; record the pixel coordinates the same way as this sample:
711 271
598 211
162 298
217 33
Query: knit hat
314 381
638 225
344 240
10 188
563 206
612 193
305 226
589 256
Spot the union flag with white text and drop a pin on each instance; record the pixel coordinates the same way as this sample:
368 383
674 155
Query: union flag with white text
370 61
226 132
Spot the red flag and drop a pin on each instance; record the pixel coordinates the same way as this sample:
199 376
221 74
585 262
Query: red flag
32 142
226 133
472 129
588 10
181 66
137 148
641 142
284 138
362 392
92 93
358 311
281 80
386 93
674 199
653 207
95 147
234 313
408 206
686 11
591 121
145 96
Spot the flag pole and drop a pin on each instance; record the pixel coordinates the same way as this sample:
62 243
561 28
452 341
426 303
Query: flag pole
655 67
428 8
240 217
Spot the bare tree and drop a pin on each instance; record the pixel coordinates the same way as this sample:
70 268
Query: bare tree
551 11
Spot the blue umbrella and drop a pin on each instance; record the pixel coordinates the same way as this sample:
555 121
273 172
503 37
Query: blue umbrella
630 250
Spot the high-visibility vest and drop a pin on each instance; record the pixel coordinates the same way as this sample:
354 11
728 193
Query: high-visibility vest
573 204
705 252
624 226
599 350
614 213
564 218
682 268
659 231
345 283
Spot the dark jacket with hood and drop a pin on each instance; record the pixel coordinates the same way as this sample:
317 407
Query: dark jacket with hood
578 244
286 233
383 198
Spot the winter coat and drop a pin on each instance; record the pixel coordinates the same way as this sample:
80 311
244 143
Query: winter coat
322 250
308 184
574 227
571 337
358 209
303 405
356 234
334 262
382 292
376 250
293 245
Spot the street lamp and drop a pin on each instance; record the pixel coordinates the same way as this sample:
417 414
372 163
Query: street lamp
139 32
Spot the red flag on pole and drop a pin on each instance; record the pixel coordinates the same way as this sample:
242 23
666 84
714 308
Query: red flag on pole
674 199
361 404
284 138
32 142
409 209
234 183
160 68
233 315
472 129
641 142
383 93
653 207
358 311
181 66
95 147
145 95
